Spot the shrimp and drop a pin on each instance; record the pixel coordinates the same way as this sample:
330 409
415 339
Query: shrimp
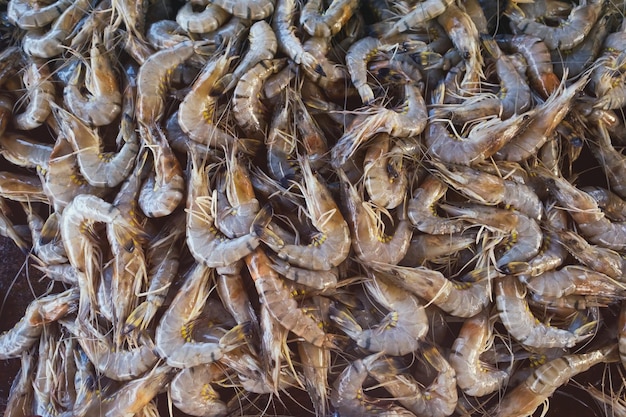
490 189
603 260
385 174
279 301
28 16
19 401
41 94
347 396
205 242
330 22
104 101
247 106
439 399
399 332
422 213
40 312
172 341
564 36
331 245
99 168
207 20
621 334
573 280
460 299
248 9
613 163
421 13
357 57
6 112
524 399
281 145
166 34
522 324
21 187
319 280
25 152
475 377
370 243
436 249
611 204
192 393
46 238
542 122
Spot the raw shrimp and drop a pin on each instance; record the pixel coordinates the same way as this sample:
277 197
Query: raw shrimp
231 290
23 151
166 34
27 16
436 249
277 298
522 324
370 243
46 237
385 174
319 280
330 22
612 161
207 20
331 245
22 187
613 206
192 393
172 341
247 9
422 213
474 376
40 93
524 399
38 313
104 102
603 260
399 332
621 334
573 279
421 13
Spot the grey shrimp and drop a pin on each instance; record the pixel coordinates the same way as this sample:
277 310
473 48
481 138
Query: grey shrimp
19 401
38 313
174 343
573 280
231 290
603 260
421 13
104 102
474 376
436 249
385 174
319 280
612 161
166 34
357 58
399 332
46 237
611 204
25 152
192 393
24 15
248 9
208 20
22 187
41 93
370 243
330 22
521 323
524 399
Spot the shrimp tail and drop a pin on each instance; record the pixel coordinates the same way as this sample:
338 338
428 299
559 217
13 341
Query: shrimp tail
261 230
391 365
135 319
50 230
236 336
345 321
512 9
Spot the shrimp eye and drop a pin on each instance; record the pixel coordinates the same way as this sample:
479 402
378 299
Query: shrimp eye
576 142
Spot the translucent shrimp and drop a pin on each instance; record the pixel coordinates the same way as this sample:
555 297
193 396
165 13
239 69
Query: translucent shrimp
279 301
420 14
438 399
19 401
474 376
319 280
611 204
25 152
357 57
522 324
422 213
207 20
104 101
22 187
460 299
384 171
524 399
331 245
436 249
248 9
166 34
6 112
347 396
330 22
99 168
38 313
573 280
24 15
399 332
40 93
603 260
192 393
370 243
174 343
613 163
282 145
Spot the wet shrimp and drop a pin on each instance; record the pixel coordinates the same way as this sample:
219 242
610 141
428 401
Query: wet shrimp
420 14
24 15
597 258
40 93
611 204
330 22
38 313
399 332
22 187
46 237
522 324
23 151
612 161
19 401
436 249
207 20
248 9
319 280
474 376
573 280
384 171
175 344
524 399
192 393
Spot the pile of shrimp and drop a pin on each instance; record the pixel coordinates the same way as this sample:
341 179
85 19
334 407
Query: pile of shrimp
345 208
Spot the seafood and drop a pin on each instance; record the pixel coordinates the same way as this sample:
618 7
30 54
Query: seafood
331 21
193 394
208 20
248 9
40 96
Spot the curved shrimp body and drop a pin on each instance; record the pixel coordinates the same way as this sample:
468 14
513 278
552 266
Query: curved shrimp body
573 280
196 112
47 244
20 397
207 20
330 22
565 36
436 248
347 396
385 175
247 106
24 15
525 234
370 243
21 187
331 246
277 298
24 151
172 339
166 34
603 260
524 399
399 332
320 280
475 377
38 313
543 121
612 161
248 9
522 324
192 393
41 93
491 189
104 101
460 299
100 169
611 204
421 13
422 213
439 399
